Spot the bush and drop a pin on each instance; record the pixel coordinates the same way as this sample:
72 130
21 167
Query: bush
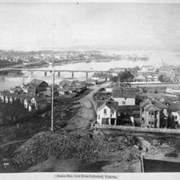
144 90
46 144
171 154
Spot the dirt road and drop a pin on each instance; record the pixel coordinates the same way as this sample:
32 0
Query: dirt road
86 114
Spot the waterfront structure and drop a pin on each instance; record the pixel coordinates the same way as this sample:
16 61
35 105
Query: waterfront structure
101 76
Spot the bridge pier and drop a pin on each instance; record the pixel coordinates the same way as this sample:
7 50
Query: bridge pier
87 75
45 73
72 74
59 73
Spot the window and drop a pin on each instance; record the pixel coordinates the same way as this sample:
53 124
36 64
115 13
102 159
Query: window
105 111
151 114
123 102
151 123
175 117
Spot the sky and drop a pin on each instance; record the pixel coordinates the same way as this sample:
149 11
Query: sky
112 26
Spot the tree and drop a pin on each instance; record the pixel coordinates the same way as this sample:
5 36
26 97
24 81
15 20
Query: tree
163 78
13 113
125 76
114 79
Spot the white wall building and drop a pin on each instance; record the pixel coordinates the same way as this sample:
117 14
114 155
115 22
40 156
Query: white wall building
125 96
107 113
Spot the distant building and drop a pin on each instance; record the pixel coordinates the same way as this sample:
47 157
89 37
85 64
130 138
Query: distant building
36 86
167 69
124 96
16 90
148 68
72 88
117 70
90 82
139 78
65 84
101 76
172 90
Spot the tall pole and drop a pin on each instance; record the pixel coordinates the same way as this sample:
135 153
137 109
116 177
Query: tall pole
52 100
52 95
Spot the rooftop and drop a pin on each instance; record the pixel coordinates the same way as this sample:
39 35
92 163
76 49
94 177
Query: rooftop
157 104
36 82
110 104
124 92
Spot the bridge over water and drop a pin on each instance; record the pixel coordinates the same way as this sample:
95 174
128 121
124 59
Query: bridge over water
55 70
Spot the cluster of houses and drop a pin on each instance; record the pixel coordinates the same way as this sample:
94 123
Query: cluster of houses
149 73
36 95
100 77
122 108
72 88
171 72
121 105
30 95
146 78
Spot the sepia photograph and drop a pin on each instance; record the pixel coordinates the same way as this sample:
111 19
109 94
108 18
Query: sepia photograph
89 90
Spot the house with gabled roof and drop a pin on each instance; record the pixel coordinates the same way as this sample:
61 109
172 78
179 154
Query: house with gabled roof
124 96
36 86
107 112
42 102
152 112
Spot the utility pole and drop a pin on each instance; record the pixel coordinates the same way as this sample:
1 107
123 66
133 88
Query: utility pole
52 95
52 100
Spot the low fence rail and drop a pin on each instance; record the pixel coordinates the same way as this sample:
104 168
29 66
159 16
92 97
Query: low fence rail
139 129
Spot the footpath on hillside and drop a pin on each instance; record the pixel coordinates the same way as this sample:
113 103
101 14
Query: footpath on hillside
86 114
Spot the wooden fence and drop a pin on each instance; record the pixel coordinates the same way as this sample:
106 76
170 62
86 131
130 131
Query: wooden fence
139 129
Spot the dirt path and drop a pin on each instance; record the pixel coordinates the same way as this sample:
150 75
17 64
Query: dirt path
12 143
86 114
